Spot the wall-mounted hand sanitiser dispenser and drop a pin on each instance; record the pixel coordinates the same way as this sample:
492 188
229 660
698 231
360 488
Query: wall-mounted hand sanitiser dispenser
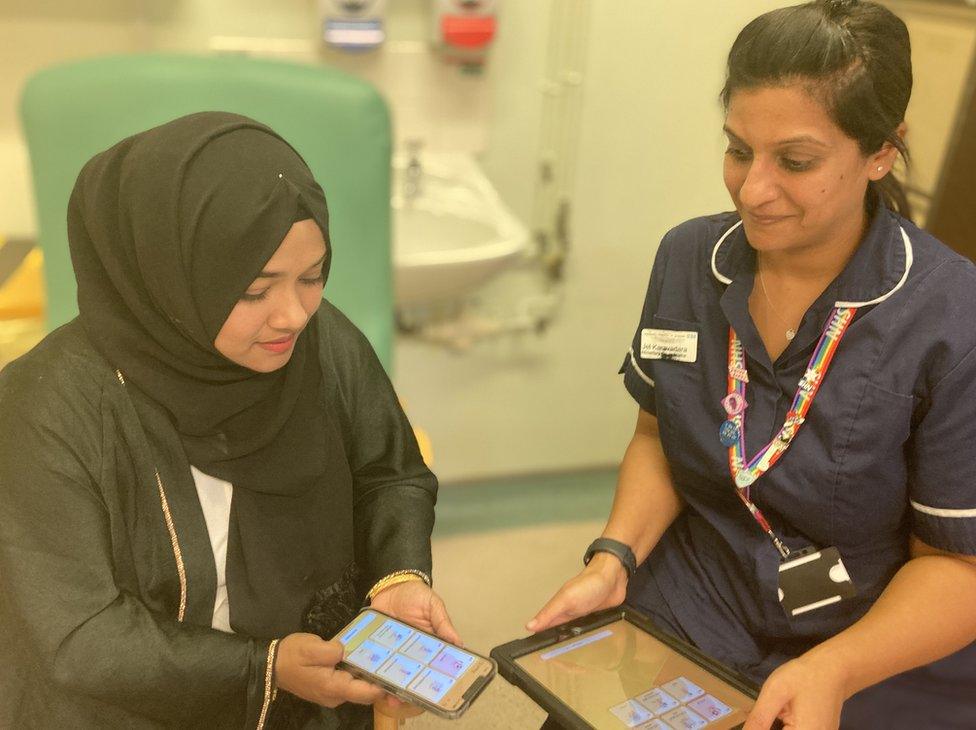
464 29
353 25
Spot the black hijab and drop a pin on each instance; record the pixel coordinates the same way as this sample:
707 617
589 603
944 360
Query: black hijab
167 229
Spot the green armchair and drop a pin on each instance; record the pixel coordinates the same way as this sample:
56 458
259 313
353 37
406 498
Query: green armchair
339 124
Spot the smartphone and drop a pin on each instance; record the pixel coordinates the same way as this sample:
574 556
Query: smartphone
411 664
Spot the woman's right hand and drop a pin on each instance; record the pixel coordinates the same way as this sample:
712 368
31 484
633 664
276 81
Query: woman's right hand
306 666
601 584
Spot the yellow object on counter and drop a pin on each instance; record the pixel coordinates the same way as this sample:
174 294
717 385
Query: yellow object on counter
22 293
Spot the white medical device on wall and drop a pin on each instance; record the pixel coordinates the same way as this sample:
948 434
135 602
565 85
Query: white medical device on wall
464 29
353 25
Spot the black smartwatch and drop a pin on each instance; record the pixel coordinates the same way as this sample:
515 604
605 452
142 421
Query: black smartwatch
614 547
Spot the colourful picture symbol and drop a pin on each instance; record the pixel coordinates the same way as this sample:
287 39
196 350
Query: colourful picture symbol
710 707
422 648
400 670
432 685
657 701
684 719
369 656
631 714
682 689
452 662
392 634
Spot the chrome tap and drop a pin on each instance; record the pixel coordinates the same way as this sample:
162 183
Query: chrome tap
413 173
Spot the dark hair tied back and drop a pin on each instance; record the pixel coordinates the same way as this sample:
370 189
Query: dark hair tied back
855 57
833 8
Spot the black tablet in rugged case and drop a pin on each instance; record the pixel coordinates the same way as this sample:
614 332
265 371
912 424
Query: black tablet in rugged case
614 669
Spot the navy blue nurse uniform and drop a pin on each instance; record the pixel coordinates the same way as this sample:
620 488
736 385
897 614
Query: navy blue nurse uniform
888 449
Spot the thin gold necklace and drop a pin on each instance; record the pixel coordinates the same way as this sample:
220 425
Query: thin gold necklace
790 332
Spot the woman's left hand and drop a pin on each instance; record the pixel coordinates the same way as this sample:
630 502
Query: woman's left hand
414 602
805 694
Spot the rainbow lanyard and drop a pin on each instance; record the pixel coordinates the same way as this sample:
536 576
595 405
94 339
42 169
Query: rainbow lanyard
732 432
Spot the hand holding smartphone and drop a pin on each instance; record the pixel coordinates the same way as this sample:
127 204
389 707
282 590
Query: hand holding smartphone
306 666
413 665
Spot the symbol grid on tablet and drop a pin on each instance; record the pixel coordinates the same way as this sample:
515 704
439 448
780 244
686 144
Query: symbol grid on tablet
679 704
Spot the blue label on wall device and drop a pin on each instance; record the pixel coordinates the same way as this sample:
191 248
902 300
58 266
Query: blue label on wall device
354 35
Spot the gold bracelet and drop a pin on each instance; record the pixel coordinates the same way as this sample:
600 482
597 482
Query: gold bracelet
400 576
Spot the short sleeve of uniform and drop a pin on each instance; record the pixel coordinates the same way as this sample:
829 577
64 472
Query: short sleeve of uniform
943 463
637 375
942 449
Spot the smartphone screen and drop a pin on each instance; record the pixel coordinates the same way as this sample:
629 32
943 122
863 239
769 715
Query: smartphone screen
618 676
415 665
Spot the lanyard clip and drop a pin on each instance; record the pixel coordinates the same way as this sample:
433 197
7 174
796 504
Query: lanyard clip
784 552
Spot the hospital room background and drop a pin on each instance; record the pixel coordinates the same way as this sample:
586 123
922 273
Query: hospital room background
541 148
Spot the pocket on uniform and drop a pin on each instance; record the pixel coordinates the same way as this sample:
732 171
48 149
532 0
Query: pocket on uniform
676 377
685 397
882 424
871 493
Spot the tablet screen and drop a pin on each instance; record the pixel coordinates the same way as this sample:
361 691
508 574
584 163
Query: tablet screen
619 676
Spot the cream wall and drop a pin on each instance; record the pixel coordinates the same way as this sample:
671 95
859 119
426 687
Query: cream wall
430 100
649 157
943 41
35 34
515 75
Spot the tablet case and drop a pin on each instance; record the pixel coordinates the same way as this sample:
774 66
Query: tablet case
506 654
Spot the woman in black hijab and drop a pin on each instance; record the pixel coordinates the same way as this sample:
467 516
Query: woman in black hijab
209 465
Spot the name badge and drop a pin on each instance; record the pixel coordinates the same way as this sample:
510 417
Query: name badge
810 580
669 345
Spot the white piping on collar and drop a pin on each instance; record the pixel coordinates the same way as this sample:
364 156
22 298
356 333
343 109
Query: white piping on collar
715 272
909 259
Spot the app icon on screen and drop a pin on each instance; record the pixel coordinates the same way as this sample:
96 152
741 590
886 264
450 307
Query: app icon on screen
684 719
354 630
452 662
682 689
369 656
710 707
422 648
392 634
400 670
657 701
432 685
654 725
631 713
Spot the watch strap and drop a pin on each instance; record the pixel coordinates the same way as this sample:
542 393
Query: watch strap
608 545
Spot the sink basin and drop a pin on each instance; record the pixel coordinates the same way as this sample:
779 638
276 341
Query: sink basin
453 234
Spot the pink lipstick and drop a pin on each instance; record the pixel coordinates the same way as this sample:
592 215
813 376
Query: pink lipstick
279 346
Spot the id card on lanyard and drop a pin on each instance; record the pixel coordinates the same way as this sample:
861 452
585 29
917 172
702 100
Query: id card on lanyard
811 578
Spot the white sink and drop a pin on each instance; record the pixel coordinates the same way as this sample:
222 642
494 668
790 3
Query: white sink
453 234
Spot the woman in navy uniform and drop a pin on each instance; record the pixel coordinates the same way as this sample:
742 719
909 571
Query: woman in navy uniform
842 335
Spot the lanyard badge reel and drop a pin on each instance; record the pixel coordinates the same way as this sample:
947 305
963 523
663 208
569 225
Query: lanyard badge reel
810 578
